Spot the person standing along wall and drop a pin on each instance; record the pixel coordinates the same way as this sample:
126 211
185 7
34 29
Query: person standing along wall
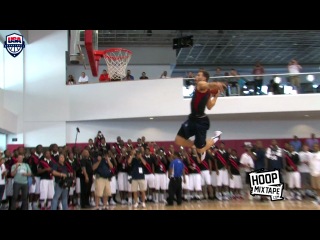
294 69
258 70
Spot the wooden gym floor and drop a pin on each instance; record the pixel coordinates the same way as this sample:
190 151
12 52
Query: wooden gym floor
307 204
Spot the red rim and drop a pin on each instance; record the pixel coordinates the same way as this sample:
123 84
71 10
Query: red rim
105 53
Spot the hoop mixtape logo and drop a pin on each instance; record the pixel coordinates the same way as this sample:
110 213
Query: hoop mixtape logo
14 44
266 184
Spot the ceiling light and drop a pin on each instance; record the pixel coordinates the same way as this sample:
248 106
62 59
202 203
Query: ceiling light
307 115
310 78
277 80
151 118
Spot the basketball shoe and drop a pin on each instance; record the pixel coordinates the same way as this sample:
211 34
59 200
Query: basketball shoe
215 139
216 136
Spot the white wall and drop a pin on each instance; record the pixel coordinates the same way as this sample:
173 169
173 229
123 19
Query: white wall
1 97
44 133
45 101
1 66
13 73
17 136
8 121
36 95
153 130
45 73
3 142
152 71
158 130
127 99
11 97
163 97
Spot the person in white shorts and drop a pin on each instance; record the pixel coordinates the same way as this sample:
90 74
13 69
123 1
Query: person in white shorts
46 181
222 171
185 185
113 181
235 177
136 161
3 173
195 175
315 171
149 174
247 163
122 170
293 175
71 162
205 168
213 172
34 189
305 157
102 167
160 182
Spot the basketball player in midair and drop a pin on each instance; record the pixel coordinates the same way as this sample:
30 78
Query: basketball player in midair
198 122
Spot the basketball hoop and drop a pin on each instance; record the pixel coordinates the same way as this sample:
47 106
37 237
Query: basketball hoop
117 60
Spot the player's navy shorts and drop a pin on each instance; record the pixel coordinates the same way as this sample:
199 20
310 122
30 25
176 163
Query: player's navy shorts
197 127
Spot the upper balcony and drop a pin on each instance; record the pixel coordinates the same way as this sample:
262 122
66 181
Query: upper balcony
167 98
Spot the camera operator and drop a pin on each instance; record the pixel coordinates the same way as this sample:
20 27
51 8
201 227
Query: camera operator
97 140
60 171
136 161
102 168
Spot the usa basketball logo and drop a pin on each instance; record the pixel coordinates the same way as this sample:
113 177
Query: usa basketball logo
14 44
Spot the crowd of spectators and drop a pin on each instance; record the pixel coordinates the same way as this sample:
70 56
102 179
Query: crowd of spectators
106 174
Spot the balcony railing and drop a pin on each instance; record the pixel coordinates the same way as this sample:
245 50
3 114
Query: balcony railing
266 84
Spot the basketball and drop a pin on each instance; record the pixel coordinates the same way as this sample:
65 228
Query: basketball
214 91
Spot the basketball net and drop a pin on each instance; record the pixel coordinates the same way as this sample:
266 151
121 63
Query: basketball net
117 60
